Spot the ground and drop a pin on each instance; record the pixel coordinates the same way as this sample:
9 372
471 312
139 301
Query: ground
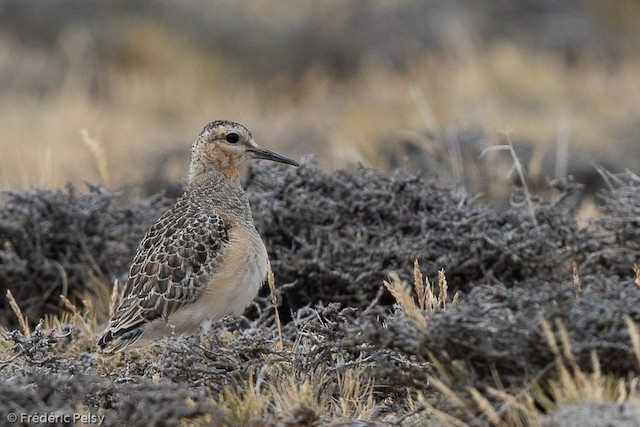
544 313
459 246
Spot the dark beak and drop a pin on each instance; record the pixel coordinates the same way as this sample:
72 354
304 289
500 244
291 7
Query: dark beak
262 153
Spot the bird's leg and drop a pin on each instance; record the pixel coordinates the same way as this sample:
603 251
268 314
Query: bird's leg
205 328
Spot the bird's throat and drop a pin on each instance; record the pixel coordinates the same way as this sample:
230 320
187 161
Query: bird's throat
226 165
230 167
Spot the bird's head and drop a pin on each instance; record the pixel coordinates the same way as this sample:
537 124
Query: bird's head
223 145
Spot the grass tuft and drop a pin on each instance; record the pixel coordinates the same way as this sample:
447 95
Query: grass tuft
429 301
401 293
88 323
24 322
517 166
569 384
271 280
117 296
99 155
575 275
634 335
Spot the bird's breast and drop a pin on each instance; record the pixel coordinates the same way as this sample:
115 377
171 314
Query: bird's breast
231 287
242 270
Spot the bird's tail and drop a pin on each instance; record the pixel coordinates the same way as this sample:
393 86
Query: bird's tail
115 339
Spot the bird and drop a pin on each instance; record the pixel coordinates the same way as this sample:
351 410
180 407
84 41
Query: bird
203 259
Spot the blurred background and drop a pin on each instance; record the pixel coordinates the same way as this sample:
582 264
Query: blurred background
114 92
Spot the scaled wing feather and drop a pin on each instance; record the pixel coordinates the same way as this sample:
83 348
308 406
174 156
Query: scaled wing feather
169 269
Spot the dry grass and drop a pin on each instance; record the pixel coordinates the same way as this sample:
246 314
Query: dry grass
495 405
517 167
289 395
569 385
22 320
161 95
429 300
574 385
97 149
271 280
278 389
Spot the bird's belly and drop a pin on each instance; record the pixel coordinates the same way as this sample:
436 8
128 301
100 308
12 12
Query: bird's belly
229 291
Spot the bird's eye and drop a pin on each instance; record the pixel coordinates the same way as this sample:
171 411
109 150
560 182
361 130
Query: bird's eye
232 137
